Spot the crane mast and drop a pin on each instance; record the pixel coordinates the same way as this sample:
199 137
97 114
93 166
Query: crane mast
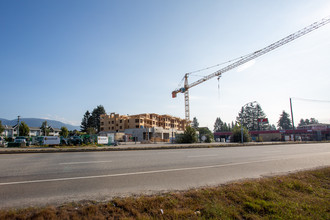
244 60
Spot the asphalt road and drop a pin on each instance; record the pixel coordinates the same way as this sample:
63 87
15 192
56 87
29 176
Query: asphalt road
54 178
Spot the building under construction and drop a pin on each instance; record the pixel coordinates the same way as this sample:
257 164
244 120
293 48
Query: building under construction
148 126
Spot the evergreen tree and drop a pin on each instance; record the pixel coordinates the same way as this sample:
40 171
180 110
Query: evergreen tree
86 122
307 122
91 121
1 128
249 115
313 121
284 122
272 127
225 127
301 123
91 130
24 130
218 125
95 118
45 128
195 123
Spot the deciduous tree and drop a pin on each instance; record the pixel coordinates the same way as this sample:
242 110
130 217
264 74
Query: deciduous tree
237 134
204 131
64 132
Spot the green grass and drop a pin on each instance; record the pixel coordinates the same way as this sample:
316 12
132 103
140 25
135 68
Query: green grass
302 195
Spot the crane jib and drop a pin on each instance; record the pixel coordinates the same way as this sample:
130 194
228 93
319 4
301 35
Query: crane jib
260 52
248 58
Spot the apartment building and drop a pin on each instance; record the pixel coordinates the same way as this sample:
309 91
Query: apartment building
119 123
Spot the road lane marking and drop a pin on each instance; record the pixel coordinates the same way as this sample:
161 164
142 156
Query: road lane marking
88 162
127 174
151 172
210 155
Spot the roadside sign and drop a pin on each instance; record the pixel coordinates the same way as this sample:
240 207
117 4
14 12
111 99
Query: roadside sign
263 120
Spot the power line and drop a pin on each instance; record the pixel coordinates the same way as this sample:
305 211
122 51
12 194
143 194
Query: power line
310 100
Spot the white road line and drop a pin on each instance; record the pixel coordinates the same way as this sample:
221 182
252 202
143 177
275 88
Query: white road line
69 163
210 155
153 171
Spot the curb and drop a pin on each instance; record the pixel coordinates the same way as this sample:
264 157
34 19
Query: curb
164 147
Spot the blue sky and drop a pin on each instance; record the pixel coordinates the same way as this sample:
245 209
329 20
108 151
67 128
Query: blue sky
61 58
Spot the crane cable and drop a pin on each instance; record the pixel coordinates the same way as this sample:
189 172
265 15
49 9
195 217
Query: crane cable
210 67
229 61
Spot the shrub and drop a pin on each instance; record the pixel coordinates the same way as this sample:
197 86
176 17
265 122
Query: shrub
189 136
237 136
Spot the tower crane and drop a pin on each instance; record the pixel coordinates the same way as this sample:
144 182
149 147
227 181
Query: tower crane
243 60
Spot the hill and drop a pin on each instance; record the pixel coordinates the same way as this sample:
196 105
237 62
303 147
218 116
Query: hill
37 122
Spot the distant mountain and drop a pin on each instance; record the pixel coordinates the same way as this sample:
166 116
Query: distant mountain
37 122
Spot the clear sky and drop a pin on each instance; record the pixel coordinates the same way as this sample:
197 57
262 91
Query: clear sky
61 58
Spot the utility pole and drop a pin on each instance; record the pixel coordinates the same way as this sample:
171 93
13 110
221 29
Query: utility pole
294 133
18 125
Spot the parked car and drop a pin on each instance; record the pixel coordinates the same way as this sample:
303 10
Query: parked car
64 141
74 140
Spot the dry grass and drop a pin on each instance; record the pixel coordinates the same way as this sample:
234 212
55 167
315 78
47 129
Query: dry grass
303 195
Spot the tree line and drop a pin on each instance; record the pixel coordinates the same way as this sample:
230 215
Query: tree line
90 124
251 117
